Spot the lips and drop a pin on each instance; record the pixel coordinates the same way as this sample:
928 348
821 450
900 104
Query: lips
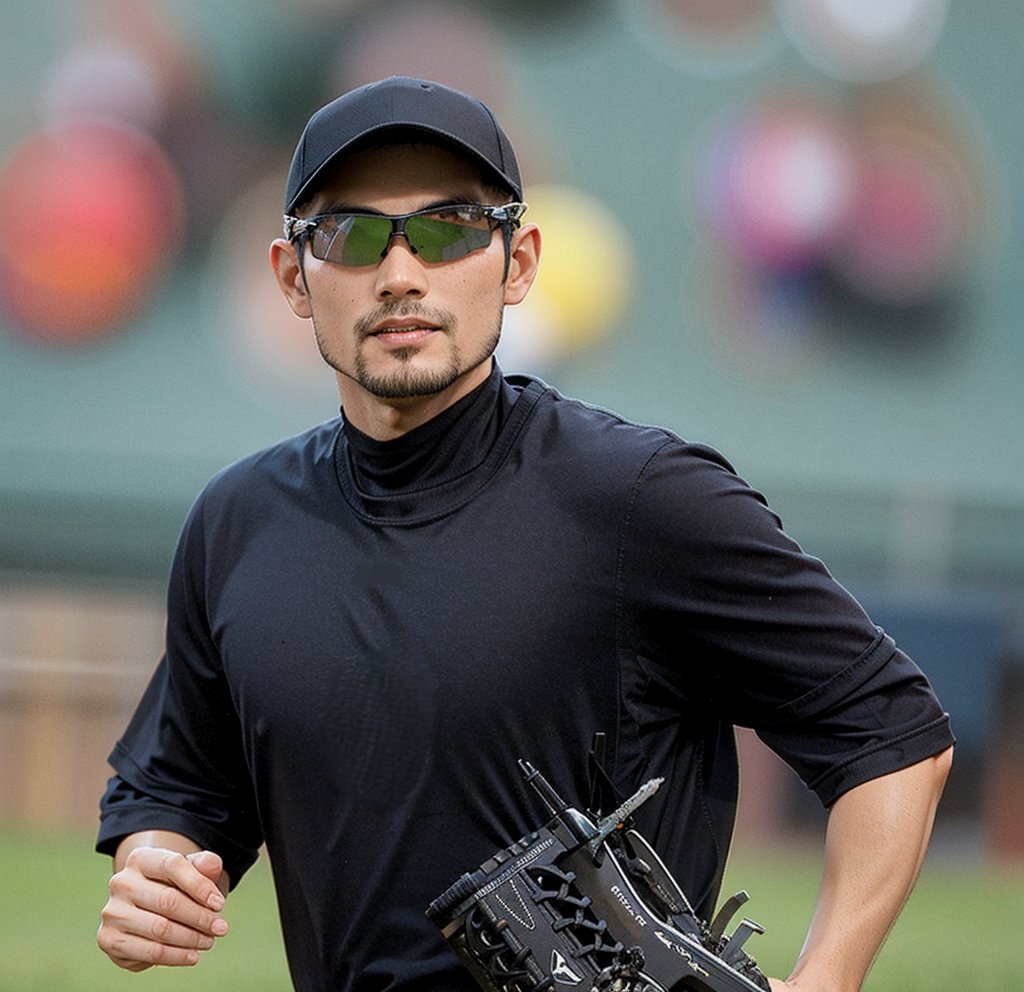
403 332
402 325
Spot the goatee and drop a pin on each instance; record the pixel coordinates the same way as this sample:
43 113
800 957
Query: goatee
405 380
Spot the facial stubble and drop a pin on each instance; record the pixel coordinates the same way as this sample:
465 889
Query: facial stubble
405 380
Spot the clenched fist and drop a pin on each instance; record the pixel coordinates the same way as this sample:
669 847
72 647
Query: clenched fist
163 908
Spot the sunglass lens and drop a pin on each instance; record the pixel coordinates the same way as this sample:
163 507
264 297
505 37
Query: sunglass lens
444 240
351 240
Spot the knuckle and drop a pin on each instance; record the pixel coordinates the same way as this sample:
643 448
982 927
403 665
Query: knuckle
111 917
105 939
112 944
162 954
135 858
171 861
162 930
116 946
167 901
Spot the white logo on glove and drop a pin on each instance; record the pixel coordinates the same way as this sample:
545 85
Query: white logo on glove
561 972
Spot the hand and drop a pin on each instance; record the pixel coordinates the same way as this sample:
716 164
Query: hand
163 909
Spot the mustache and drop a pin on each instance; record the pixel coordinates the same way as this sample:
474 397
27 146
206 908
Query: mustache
403 308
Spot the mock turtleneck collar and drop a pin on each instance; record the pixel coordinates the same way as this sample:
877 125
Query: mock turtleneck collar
440 465
445 447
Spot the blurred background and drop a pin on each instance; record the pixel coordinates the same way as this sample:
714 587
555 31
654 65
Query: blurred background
789 229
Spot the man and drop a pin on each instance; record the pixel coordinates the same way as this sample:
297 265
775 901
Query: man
368 624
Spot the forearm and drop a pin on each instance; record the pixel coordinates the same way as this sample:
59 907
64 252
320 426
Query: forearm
875 844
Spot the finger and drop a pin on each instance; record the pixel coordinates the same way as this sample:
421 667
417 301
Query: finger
212 866
135 953
177 870
136 940
159 929
173 905
131 889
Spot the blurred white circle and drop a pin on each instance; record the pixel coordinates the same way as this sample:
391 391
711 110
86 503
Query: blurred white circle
106 82
864 40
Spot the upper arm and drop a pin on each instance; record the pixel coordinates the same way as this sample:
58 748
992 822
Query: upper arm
729 614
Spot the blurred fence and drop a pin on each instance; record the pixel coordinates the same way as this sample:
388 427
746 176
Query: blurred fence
74 660
72 665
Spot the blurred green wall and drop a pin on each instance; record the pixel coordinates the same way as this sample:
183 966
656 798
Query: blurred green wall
903 468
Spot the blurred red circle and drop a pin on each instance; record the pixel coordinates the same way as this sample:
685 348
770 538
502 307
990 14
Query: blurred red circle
907 229
92 212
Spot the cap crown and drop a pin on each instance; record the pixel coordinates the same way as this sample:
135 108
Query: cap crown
401 102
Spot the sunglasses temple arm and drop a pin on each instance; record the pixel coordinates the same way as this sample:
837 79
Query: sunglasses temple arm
506 230
300 256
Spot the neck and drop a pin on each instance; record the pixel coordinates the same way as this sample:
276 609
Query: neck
387 419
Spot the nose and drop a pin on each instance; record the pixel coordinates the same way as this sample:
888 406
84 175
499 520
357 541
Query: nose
400 273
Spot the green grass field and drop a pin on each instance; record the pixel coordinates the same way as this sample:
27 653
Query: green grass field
961 931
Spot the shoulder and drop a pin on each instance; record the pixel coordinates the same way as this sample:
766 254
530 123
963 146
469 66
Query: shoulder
584 433
295 464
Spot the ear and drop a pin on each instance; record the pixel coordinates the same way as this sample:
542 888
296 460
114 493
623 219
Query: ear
284 260
524 257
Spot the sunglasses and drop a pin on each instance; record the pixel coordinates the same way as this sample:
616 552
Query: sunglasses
437 234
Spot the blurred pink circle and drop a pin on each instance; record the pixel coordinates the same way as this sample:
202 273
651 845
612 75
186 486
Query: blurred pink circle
778 184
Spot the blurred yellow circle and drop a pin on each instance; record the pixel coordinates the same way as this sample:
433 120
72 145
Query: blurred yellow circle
585 275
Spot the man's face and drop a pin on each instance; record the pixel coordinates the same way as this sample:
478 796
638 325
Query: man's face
403 328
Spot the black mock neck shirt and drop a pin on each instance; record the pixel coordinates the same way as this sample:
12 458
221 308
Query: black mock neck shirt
364 637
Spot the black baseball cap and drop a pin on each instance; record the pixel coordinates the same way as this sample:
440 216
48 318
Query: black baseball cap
406 104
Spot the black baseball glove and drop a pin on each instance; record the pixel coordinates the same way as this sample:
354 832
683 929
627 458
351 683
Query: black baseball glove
585 902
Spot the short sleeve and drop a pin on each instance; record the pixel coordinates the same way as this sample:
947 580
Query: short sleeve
180 765
726 611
